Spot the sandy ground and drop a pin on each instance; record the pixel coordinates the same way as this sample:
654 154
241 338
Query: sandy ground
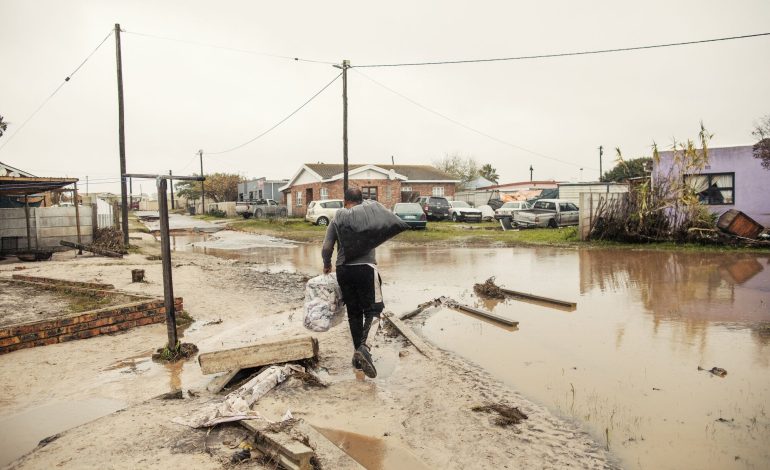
418 405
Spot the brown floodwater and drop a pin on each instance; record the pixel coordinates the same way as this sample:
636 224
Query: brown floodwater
624 363
372 452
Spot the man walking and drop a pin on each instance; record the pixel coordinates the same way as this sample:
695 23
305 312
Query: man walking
360 284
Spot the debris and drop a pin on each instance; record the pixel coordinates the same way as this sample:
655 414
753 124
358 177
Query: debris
327 454
271 440
737 223
240 456
323 300
722 420
420 308
175 395
48 440
237 404
182 351
266 352
718 371
310 379
489 289
483 313
213 322
191 394
403 353
92 249
219 382
508 415
109 238
34 255
409 334
153 258
137 275
524 295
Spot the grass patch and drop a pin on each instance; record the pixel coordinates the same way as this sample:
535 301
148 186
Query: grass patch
84 302
291 229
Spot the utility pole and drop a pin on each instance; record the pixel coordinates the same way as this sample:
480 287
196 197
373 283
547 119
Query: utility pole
345 66
121 138
601 152
203 196
171 183
530 172
86 185
131 191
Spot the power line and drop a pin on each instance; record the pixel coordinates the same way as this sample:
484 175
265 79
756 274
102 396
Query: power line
279 122
465 126
566 54
66 79
232 49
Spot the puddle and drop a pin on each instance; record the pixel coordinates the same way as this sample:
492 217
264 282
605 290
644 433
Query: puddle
372 452
22 432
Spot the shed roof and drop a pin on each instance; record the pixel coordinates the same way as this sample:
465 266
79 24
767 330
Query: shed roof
23 185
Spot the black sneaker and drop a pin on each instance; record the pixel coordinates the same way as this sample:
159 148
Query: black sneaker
356 363
365 360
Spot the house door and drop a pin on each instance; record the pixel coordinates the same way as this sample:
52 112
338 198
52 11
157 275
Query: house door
308 196
289 207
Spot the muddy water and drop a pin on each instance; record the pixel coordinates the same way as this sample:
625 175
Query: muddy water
624 363
373 453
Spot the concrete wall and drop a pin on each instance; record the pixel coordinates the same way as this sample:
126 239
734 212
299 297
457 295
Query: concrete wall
588 204
572 191
752 182
48 225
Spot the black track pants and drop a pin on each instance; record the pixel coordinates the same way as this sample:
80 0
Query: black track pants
361 290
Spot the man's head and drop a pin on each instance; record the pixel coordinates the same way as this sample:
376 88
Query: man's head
353 197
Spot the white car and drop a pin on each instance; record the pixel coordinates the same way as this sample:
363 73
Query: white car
487 213
509 208
322 212
462 211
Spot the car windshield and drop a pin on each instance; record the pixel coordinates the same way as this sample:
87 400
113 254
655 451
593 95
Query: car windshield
407 208
510 205
439 201
460 204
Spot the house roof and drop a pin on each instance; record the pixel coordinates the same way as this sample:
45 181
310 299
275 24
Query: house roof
8 170
412 172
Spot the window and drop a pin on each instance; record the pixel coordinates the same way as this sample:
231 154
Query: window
438 191
332 205
251 195
299 198
240 196
406 189
370 192
713 188
260 194
324 193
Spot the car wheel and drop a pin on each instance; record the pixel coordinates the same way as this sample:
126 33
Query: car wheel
258 214
246 215
552 223
322 221
282 213
454 217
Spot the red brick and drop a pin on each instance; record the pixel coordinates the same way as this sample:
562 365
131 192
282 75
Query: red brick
9 341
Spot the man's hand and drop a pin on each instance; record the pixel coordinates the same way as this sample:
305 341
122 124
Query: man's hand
327 269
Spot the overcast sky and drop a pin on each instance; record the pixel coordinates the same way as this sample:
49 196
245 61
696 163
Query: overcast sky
181 97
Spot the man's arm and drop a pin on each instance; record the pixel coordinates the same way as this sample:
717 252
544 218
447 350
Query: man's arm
328 247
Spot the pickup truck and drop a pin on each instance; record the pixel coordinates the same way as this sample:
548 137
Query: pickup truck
260 208
550 213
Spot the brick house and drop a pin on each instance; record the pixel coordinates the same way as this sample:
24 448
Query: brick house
388 184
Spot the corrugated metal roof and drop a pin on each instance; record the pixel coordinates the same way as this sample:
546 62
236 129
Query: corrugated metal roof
412 172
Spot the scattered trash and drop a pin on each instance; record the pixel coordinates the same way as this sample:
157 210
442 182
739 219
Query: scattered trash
109 238
323 299
240 456
191 394
718 371
508 415
153 258
48 440
213 322
722 420
489 289
137 275
175 395
310 379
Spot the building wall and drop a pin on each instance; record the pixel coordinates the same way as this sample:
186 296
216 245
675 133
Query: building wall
388 191
48 226
572 191
752 182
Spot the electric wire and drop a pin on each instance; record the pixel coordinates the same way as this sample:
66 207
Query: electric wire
564 54
66 79
232 49
279 122
467 127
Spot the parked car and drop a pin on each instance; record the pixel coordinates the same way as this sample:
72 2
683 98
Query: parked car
462 211
509 208
487 213
412 214
435 207
260 208
322 212
550 213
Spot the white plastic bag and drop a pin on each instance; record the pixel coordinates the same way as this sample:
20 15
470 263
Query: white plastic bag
323 299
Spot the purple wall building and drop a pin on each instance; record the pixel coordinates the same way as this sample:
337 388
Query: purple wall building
733 179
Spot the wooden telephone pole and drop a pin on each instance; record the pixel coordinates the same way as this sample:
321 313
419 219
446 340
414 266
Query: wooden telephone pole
121 139
345 66
601 152
203 193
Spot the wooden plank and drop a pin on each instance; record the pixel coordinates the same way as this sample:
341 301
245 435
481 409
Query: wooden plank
420 308
327 453
279 445
218 383
482 313
263 353
98 251
409 334
525 295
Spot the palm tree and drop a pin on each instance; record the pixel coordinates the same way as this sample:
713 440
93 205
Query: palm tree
3 126
488 172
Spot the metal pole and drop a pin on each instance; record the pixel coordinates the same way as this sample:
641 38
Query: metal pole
203 196
165 250
77 215
131 191
601 152
345 66
530 172
121 138
171 183
29 231
86 185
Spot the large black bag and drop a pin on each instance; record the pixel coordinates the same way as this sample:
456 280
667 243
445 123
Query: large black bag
365 227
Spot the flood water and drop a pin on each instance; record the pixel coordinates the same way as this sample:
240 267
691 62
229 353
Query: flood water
624 363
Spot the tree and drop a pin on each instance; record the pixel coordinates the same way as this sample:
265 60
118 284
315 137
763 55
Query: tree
762 147
625 169
464 169
3 126
488 172
219 187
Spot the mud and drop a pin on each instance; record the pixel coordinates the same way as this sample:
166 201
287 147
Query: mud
488 289
506 415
